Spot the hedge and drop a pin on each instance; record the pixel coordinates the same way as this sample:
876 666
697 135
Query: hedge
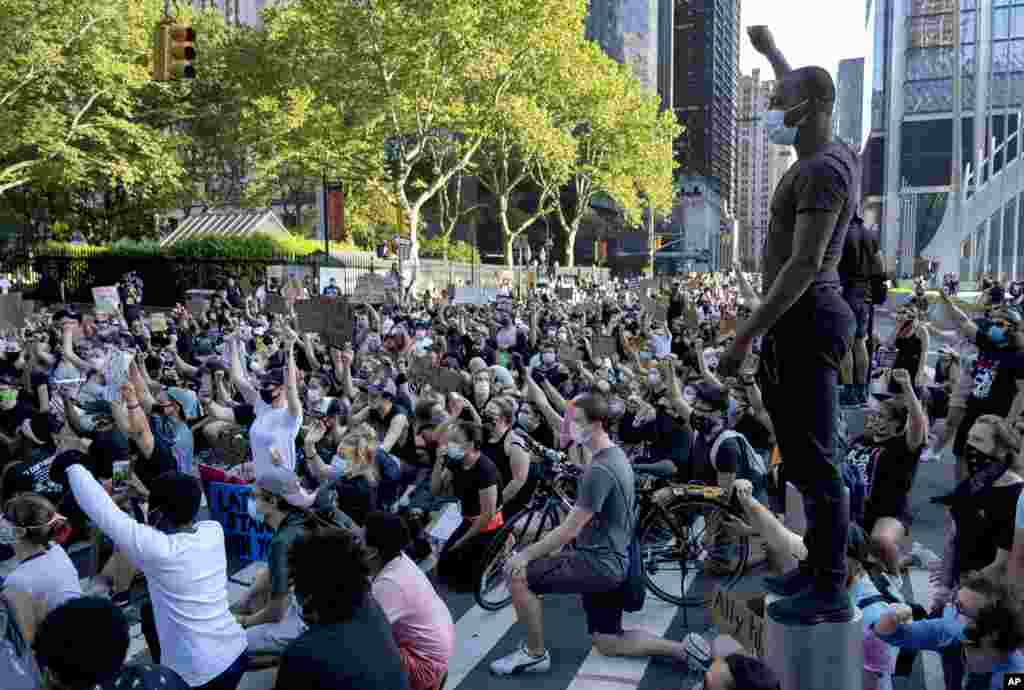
238 248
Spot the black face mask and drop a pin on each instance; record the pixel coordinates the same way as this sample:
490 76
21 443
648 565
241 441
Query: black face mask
976 460
268 395
158 521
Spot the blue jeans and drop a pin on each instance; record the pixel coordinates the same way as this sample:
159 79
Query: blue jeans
799 376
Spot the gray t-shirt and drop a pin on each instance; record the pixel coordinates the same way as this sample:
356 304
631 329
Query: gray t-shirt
608 490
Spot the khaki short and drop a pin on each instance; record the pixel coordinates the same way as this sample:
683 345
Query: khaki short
963 388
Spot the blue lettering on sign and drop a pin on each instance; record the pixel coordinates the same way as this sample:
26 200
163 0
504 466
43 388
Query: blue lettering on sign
244 538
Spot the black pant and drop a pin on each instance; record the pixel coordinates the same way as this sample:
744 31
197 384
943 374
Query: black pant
460 569
800 372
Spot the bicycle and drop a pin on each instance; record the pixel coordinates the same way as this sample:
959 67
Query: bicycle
673 531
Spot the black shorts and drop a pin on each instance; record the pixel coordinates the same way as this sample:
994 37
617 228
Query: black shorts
857 298
897 510
571 573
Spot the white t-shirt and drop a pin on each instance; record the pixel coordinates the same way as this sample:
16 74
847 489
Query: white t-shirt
187 573
50 577
275 427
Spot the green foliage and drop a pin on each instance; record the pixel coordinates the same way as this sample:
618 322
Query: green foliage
253 247
442 247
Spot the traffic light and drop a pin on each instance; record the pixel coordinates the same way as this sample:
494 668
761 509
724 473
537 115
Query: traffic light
174 52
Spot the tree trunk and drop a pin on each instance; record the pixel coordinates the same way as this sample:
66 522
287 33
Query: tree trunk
413 218
506 231
570 245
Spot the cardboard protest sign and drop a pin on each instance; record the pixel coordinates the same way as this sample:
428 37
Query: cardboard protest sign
106 299
115 371
245 539
742 617
276 304
372 289
603 346
448 381
12 311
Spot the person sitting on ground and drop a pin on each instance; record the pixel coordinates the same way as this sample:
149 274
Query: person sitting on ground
44 569
71 660
268 611
420 621
349 644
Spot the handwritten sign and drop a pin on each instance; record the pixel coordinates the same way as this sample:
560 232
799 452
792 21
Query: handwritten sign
244 538
474 295
106 299
276 304
742 617
603 346
12 311
331 317
372 289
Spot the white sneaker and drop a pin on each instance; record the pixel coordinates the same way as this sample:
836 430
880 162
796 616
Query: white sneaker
521 661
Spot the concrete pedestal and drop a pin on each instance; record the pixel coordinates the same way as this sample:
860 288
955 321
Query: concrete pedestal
813 657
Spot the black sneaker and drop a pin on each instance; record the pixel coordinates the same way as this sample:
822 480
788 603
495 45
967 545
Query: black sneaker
787 585
819 603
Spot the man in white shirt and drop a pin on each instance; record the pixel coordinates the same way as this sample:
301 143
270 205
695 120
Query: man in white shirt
192 630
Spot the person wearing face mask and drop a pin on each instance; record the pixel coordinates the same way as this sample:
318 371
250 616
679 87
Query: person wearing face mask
277 407
31 524
997 374
983 507
348 644
463 471
421 623
188 627
886 459
899 627
807 327
661 425
268 611
483 388
509 454
506 340
601 525
532 422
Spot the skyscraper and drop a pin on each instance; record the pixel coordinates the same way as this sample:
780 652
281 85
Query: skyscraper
848 115
760 165
706 65
628 31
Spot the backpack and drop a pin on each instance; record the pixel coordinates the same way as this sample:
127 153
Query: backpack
18 667
755 463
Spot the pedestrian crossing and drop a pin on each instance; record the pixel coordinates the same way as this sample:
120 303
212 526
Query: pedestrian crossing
483 636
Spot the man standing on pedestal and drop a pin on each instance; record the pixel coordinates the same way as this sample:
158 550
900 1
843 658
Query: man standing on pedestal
807 328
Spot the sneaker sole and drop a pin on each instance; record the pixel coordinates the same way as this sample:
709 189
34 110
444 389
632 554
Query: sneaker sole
541 666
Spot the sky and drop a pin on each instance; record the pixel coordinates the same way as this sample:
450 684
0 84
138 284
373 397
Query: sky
808 32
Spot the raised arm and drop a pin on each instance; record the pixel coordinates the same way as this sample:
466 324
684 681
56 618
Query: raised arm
763 41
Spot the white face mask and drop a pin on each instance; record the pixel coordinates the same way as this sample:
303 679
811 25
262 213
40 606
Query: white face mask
778 132
548 357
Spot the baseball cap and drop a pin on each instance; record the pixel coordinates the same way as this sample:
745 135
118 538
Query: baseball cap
273 378
284 483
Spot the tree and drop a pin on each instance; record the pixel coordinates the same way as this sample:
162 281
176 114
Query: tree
366 75
618 133
525 145
71 77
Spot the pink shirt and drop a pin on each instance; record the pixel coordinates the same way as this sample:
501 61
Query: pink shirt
420 620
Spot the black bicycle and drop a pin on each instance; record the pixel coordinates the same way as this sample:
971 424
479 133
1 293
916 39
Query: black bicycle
681 529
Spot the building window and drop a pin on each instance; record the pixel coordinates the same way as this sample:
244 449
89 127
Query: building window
931 6
934 30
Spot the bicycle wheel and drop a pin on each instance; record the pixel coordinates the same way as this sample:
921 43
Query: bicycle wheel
683 545
491 591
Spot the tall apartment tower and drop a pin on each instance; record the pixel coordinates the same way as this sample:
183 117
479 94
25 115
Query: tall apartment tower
760 165
706 54
849 109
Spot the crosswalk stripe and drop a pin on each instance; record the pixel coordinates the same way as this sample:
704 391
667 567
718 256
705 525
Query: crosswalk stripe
921 588
476 633
599 671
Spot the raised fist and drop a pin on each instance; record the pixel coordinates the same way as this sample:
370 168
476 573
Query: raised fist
761 38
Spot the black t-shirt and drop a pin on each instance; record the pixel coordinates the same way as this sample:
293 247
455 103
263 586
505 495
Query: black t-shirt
996 373
359 654
759 436
987 525
468 484
857 264
668 438
728 458
145 677
888 471
908 353
162 460
824 182
357 497
11 419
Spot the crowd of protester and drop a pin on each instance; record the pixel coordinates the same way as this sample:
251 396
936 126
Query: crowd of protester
111 424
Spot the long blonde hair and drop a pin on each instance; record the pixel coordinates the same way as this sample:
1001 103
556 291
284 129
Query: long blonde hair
362 438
